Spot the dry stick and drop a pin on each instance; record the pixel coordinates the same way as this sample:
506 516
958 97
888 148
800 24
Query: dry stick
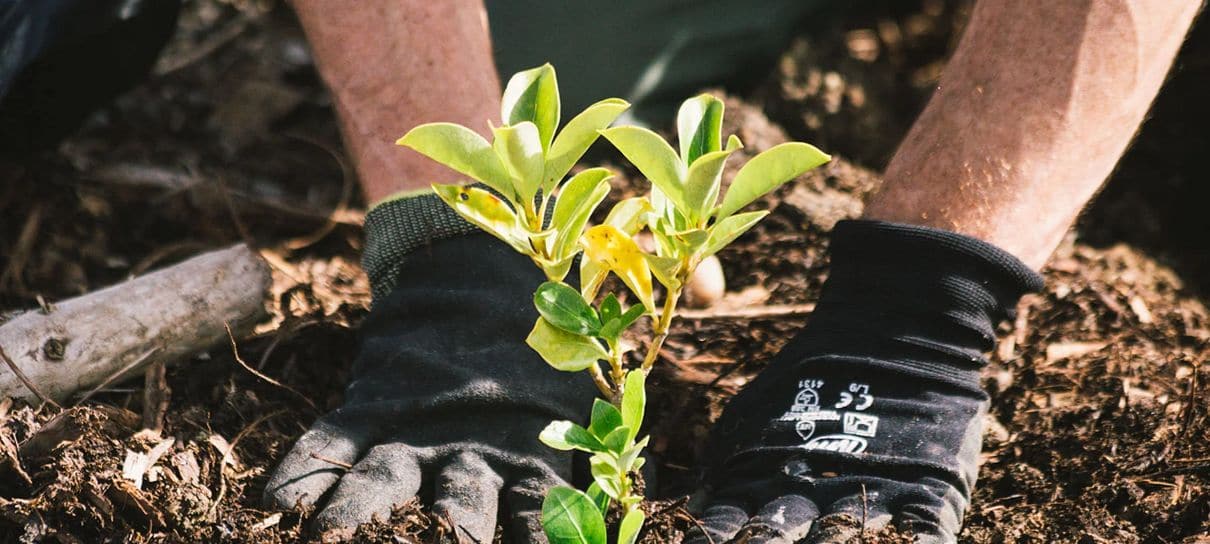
331 461
222 463
109 379
751 312
697 522
25 380
258 374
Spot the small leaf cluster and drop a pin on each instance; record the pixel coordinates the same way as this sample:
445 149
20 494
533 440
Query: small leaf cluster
523 165
687 221
573 516
686 213
569 333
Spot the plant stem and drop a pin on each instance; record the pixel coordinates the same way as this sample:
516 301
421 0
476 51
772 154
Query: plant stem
661 328
603 384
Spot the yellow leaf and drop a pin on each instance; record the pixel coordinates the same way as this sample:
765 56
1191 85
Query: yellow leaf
613 249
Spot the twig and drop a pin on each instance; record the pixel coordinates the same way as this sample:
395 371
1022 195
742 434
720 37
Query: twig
110 378
751 312
346 194
25 380
331 461
700 527
258 374
865 512
222 463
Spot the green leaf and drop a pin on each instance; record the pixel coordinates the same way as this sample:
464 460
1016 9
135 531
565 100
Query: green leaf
605 418
462 149
577 136
577 200
767 171
629 459
610 308
653 157
533 95
634 402
565 435
563 307
521 152
569 516
702 185
629 215
486 211
617 439
632 314
614 250
733 143
599 497
612 328
730 228
564 350
664 269
605 474
699 125
628 531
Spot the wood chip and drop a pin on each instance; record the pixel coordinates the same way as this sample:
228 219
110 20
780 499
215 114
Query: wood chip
1066 350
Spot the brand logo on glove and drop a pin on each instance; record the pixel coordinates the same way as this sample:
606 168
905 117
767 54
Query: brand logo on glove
842 443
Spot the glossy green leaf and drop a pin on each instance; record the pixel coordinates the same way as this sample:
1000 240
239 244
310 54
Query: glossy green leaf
565 436
533 95
599 497
617 439
629 215
569 516
577 200
634 402
658 162
564 308
564 350
730 228
699 125
605 418
703 182
767 171
610 308
521 152
613 249
605 474
577 136
632 523
486 211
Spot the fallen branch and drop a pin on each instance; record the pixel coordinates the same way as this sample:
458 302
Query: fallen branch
180 310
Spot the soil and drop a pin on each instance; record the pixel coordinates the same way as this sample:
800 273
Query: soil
1100 415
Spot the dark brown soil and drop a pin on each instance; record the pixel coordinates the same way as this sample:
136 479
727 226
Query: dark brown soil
1100 416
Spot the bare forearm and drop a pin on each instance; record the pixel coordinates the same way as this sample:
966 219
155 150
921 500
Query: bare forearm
1034 109
395 64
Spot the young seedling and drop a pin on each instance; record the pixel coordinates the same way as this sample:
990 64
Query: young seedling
581 329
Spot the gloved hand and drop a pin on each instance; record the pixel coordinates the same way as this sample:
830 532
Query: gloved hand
875 411
445 394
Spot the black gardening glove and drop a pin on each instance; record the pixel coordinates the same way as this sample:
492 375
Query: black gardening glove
875 411
445 394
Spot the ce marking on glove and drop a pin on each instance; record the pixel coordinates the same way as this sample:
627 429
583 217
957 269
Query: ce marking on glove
859 392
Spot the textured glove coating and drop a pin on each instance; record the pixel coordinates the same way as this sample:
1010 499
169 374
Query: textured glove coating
875 410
